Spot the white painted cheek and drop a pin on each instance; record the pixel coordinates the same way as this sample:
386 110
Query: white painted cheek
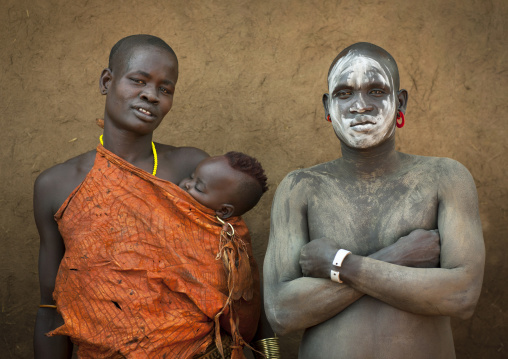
388 111
384 119
339 124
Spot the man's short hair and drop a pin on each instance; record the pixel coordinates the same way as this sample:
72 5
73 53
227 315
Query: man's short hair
373 51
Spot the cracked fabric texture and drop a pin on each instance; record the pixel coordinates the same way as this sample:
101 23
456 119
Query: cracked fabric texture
140 278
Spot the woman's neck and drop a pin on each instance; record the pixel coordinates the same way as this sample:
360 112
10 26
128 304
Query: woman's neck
133 148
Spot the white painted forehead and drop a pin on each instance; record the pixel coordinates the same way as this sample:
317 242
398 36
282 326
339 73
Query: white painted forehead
354 59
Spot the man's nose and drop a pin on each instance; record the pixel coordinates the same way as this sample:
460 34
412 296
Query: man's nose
361 105
150 94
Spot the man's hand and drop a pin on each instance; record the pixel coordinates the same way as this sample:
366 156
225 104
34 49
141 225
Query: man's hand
419 249
316 257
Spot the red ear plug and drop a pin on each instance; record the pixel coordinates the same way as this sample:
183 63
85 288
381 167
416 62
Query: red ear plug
400 115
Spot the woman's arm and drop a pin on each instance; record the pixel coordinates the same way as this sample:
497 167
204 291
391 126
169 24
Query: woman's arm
50 255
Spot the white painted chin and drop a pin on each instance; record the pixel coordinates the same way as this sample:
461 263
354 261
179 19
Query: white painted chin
363 136
362 143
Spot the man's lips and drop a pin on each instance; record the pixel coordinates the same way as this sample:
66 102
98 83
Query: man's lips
362 122
362 125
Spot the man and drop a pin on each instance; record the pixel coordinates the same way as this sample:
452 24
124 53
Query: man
394 294
120 253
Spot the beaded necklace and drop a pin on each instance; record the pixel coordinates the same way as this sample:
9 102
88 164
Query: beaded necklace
155 162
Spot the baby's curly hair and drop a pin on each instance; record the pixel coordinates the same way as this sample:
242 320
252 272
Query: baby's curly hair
248 165
248 193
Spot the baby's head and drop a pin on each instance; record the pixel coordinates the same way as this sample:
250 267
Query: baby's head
231 184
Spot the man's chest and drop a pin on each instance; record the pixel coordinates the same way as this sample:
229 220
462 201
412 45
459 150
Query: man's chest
365 217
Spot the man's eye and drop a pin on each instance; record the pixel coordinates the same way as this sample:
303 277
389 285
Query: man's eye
377 92
344 94
138 81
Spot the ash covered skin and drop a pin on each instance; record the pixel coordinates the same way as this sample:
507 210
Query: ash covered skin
383 206
362 101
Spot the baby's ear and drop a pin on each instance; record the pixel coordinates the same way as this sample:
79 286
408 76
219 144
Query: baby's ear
226 210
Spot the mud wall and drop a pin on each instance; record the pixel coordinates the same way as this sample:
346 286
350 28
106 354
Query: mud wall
252 74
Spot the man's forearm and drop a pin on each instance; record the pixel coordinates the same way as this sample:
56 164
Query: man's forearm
426 291
305 302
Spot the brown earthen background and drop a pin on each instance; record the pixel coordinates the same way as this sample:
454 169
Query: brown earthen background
252 74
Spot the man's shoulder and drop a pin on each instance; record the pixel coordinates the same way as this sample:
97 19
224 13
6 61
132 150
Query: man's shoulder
449 165
453 174
321 170
440 172
439 165
306 180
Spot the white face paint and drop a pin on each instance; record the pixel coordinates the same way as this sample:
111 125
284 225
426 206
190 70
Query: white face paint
362 101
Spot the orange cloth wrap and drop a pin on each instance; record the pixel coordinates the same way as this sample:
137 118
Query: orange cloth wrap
140 278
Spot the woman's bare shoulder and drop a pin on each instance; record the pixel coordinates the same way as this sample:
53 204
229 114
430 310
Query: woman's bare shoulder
56 183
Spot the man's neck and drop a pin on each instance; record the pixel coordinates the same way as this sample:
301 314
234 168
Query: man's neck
371 163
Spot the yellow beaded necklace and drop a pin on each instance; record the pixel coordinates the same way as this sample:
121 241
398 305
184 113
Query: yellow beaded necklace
155 161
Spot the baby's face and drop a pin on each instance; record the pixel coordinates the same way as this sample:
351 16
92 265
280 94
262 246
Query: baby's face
213 182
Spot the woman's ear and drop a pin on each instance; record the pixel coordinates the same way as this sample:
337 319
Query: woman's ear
226 210
105 80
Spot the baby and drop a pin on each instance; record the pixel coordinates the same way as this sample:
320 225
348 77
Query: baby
231 184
